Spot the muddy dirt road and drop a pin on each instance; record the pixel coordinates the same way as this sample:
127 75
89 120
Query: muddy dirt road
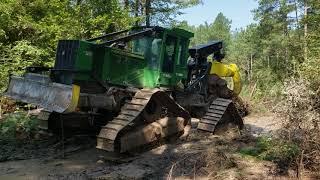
200 156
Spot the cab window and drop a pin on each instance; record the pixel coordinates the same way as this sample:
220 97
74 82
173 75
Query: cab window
150 48
182 54
169 54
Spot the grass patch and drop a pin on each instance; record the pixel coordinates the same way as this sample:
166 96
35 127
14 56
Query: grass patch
274 150
18 125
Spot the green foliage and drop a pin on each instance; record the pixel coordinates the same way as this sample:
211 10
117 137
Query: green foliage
269 51
162 12
165 11
16 124
29 32
310 69
244 44
219 29
291 47
272 150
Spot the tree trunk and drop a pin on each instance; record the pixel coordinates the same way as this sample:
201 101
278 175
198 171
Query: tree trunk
126 4
142 7
251 66
297 18
147 11
136 11
305 31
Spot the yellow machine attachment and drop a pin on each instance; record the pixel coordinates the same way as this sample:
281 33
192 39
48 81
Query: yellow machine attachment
228 70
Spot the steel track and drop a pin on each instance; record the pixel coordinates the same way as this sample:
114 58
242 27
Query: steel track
217 112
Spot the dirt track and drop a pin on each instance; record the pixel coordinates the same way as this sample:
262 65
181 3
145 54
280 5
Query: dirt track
200 156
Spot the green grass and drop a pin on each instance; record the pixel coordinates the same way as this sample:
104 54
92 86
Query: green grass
270 149
18 123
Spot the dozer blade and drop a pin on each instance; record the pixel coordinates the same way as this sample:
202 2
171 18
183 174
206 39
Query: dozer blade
220 111
37 89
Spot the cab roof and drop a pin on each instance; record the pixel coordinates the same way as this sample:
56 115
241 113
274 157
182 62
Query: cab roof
176 31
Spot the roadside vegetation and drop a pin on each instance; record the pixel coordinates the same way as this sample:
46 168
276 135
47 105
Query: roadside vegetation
18 125
279 60
275 150
278 55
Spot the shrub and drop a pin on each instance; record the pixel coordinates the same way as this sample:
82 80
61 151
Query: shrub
18 125
300 113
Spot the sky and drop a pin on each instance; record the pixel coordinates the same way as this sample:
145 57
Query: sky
239 11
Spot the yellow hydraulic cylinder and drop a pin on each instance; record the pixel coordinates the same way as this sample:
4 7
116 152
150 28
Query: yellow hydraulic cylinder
228 70
74 98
